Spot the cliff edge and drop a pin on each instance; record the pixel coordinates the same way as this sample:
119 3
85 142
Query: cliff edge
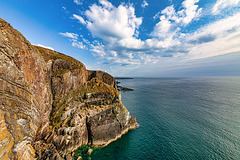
50 104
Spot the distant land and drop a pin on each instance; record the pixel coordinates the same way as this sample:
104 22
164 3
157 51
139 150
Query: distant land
121 88
123 77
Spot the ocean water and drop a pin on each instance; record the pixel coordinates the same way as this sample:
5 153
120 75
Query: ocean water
180 118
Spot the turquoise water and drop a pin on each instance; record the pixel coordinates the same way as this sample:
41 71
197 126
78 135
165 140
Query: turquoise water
180 118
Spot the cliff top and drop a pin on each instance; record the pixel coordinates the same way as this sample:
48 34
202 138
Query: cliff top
50 54
3 22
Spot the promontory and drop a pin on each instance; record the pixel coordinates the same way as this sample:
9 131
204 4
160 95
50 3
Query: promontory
50 104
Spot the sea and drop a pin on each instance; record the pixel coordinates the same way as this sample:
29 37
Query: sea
194 118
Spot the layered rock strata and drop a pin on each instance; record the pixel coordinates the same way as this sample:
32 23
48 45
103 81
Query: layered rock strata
50 104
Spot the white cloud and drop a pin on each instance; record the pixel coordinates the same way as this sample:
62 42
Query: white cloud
108 22
190 12
144 4
73 38
163 27
218 38
131 43
221 4
118 26
229 24
78 2
81 20
78 45
70 35
86 41
186 15
171 21
40 45
99 51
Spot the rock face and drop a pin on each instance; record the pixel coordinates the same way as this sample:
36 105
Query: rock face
50 104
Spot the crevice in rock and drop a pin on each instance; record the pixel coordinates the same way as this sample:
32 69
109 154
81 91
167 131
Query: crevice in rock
89 131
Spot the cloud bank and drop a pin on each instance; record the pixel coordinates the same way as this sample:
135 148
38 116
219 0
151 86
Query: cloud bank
221 4
73 38
117 28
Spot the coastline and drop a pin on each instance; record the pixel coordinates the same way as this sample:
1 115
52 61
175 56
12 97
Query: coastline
105 143
82 152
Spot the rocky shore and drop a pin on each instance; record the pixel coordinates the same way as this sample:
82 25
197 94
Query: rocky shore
50 104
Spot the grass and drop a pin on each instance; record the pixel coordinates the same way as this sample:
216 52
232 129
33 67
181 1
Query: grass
50 54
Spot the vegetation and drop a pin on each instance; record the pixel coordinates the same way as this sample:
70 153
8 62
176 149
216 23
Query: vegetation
57 111
93 86
83 152
50 54
53 55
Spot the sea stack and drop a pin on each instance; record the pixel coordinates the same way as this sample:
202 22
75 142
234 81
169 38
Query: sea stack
50 104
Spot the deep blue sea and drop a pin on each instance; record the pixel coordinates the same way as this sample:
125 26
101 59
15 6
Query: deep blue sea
179 118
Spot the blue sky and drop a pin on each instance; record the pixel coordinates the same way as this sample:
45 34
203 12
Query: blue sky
139 38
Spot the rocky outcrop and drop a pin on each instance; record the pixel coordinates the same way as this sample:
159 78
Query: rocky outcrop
104 77
50 104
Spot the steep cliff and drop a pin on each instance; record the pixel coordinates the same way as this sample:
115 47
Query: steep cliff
50 104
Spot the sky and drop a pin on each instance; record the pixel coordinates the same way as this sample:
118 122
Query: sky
136 38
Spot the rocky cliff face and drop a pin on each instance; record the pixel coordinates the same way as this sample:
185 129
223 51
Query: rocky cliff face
50 104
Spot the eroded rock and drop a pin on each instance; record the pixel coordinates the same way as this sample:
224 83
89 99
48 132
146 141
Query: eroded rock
50 104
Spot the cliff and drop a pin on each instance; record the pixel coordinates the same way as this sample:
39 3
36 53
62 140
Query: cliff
50 104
